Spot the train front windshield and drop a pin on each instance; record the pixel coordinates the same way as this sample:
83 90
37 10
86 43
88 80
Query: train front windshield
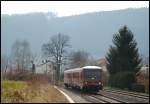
92 74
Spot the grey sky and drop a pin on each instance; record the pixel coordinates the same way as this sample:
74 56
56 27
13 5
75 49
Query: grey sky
67 8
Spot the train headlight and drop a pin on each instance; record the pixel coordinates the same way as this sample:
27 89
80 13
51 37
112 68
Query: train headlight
99 83
85 82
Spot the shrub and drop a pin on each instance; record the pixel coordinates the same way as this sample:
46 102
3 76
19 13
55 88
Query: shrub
27 76
37 79
138 88
18 75
122 80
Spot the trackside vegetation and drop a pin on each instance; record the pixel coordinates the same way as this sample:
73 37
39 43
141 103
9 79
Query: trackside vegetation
29 92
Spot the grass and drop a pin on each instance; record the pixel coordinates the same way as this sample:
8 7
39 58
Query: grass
27 92
9 88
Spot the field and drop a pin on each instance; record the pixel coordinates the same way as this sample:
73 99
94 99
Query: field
29 92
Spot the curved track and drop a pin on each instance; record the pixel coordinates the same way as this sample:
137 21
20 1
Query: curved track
112 96
137 95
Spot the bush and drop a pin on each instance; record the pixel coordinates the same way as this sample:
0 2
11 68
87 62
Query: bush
138 88
18 75
122 80
37 79
146 84
29 77
21 76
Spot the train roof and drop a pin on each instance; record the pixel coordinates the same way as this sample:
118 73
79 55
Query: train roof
91 67
80 69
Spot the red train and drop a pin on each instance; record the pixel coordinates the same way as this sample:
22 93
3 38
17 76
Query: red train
86 78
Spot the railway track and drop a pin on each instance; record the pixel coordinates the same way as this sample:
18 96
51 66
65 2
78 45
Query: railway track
114 96
100 98
142 96
94 100
107 99
125 97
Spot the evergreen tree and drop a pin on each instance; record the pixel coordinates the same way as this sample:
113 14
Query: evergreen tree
124 56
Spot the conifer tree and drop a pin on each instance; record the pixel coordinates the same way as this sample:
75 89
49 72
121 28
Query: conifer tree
123 59
124 55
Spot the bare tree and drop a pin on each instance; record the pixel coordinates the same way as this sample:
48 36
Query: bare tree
56 51
26 55
4 66
33 59
91 60
79 59
15 55
21 55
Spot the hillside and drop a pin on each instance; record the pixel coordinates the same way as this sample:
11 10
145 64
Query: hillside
91 32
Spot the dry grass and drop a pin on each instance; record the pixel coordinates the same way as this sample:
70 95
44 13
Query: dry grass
11 88
31 91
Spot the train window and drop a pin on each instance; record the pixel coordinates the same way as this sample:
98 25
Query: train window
69 75
75 75
92 74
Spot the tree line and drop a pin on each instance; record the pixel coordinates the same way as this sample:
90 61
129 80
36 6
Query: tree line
55 51
18 62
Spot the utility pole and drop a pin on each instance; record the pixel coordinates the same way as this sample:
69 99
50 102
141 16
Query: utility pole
33 67
46 68
147 71
54 74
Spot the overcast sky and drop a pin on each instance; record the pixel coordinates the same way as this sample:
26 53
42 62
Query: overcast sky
67 8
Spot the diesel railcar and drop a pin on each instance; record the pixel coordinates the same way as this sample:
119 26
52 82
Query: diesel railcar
87 78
